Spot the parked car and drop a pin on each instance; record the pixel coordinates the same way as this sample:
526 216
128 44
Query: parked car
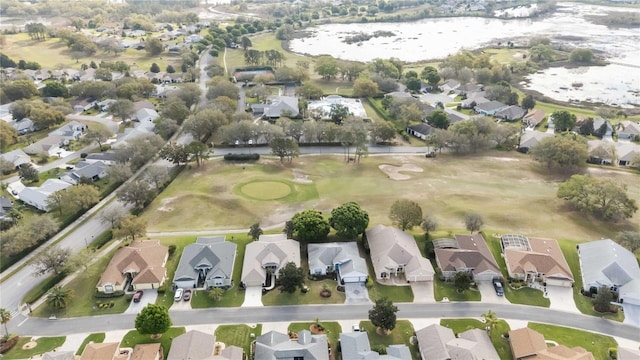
187 295
137 296
497 285
179 293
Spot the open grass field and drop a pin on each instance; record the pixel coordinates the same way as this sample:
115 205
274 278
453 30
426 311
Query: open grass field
499 343
52 53
238 335
512 193
133 338
44 344
597 344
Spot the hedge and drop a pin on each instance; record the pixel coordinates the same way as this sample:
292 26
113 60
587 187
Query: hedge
242 157
101 295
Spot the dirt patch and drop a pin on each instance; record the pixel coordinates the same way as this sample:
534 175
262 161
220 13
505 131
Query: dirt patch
30 345
165 205
301 177
281 214
395 172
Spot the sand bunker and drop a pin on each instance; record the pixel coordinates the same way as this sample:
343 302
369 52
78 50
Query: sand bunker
395 172
165 205
301 178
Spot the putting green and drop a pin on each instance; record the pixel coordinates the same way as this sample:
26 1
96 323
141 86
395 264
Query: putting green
266 189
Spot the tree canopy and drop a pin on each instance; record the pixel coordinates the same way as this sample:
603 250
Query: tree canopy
473 221
349 220
602 198
561 153
291 277
383 314
405 214
310 225
153 319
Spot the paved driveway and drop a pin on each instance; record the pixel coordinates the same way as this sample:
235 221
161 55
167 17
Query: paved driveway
561 299
631 314
489 295
423 292
356 293
252 296
149 297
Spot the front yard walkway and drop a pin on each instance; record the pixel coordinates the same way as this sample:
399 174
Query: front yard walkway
252 296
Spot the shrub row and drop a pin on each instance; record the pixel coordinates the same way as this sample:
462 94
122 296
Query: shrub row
7 345
242 157
101 295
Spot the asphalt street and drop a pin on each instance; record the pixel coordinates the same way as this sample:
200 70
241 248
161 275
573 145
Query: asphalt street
46 327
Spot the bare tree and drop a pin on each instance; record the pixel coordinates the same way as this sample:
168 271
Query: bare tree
53 259
112 216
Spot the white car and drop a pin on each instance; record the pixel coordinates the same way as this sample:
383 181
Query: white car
178 296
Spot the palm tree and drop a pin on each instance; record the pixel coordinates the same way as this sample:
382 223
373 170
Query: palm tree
216 293
58 297
5 316
490 320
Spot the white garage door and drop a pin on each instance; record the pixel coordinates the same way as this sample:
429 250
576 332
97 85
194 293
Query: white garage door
558 282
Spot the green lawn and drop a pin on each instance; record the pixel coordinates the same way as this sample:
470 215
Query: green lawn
238 335
44 344
92 338
597 344
83 302
442 289
400 335
277 297
583 303
500 343
133 338
331 329
524 295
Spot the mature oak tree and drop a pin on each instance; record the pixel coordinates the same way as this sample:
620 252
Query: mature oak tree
630 240
561 153
284 148
349 220
130 226
291 277
310 225
153 319
405 214
600 197
383 314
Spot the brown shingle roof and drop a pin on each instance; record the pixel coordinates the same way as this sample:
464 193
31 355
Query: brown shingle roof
473 253
146 352
526 342
146 258
100 351
545 257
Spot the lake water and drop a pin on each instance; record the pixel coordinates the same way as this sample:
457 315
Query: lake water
437 38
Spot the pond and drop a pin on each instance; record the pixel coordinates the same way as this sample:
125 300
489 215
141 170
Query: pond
436 38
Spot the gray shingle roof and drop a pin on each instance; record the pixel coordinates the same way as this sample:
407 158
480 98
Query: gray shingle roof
193 345
212 254
274 345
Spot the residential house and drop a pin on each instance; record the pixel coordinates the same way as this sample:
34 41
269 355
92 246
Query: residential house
6 205
146 117
607 263
421 131
437 342
147 352
356 346
50 146
468 89
323 106
17 157
395 252
104 105
466 253
511 113
627 153
109 158
83 104
38 196
277 107
84 75
629 130
59 355
263 259
141 265
101 351
531 259
474 99
342 258
208 262
277 346
449 86
490 108
70 131
601 152
603 127
93 171
534 117
5 111
530 139
455 116
530 344
197 345
24 126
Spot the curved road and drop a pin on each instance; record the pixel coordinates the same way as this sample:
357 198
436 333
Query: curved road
252 315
